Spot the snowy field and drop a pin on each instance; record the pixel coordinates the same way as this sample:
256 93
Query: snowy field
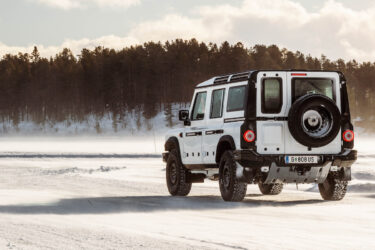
110 193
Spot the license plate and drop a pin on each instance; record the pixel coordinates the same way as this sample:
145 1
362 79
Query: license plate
301 159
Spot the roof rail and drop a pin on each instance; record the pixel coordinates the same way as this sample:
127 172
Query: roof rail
240 77
221 79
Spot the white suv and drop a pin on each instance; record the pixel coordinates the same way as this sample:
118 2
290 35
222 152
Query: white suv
264 127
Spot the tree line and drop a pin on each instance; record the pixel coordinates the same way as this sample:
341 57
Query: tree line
148 78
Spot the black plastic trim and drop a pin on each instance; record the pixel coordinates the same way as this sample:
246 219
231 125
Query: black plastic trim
235 119
214 132
219 150
250 158
345 114
277 118
200 166
172 143
198 133
250 113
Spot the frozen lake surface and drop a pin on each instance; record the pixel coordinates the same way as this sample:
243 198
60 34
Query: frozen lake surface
110 193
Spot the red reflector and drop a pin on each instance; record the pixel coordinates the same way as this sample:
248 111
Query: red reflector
249 136
299 74
348 135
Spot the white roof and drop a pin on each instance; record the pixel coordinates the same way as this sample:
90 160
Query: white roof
207 83
224 78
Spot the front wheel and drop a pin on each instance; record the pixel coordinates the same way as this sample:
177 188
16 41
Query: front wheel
231 188
333 188
176 175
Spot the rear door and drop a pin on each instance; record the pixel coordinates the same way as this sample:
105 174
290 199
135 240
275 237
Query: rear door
214 131
271 112
301 83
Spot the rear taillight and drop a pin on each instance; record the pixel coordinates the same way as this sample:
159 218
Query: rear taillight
249 136
348 135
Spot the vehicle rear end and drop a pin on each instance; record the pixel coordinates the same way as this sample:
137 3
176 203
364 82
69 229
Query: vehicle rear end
297 128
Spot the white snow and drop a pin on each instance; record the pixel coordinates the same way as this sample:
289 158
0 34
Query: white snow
54 196
133 123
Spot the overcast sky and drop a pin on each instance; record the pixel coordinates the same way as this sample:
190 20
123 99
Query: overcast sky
338 29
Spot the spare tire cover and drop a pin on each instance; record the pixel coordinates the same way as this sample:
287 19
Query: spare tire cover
314 120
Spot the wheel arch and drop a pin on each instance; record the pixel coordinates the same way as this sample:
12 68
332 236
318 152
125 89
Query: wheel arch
226 142
172 143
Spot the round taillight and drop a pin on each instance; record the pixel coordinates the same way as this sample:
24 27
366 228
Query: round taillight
348 135
249 136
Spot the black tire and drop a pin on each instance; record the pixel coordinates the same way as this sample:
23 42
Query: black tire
333 189
270 189
326 129
176 175
231 188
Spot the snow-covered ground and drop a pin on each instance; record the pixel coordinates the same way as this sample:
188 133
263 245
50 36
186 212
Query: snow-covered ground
110 193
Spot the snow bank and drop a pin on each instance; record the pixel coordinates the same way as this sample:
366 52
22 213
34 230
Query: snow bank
133 123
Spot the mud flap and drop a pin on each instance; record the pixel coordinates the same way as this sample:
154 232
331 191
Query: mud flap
278 174
347 174
244 174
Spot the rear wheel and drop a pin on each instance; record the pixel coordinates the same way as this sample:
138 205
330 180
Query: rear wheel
176 175
333 188
270 189
231 188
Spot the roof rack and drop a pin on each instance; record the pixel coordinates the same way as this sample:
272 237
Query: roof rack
240 77
221 79
232 78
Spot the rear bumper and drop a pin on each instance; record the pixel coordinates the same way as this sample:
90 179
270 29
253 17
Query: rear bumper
250 158
250 165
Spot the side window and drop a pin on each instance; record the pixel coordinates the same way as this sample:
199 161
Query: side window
271 95
236 98
217 103
199 106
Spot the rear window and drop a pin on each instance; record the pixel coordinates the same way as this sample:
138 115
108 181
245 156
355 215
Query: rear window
217 103
271 95
303 86
236 98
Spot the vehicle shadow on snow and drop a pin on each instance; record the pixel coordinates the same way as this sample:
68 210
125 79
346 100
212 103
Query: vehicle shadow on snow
102 205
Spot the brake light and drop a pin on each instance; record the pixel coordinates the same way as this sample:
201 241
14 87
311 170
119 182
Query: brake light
249 136
348 135
299 74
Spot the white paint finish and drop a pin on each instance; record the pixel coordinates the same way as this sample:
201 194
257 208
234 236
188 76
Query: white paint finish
210 141
273 137
270 137
291 145
206 83
270 134
332 75
193 153
234 129
294 147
